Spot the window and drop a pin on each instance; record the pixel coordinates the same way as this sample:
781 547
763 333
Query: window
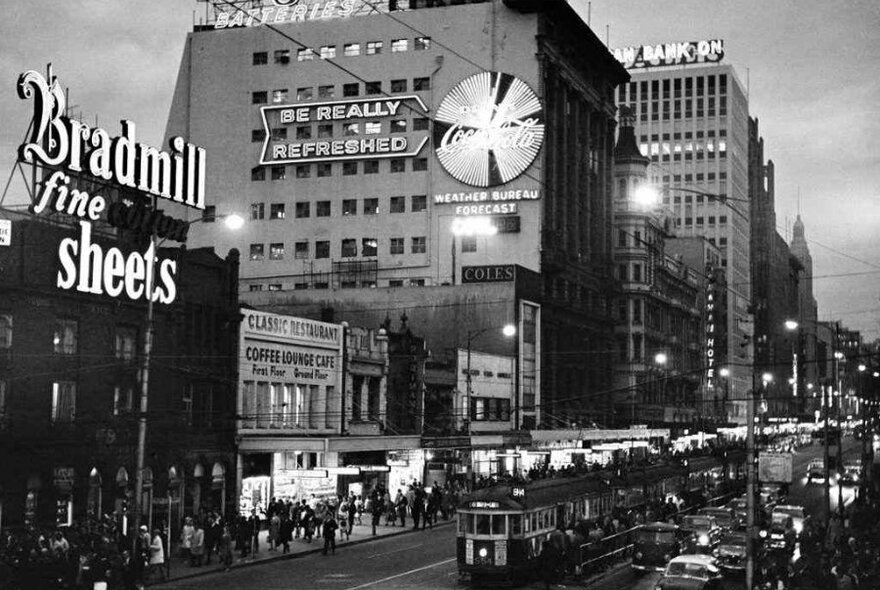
258 174
398 165
395 283
259 97
419 203
279 95
722 219
123 400
324 169
302 210
352 89
322 249
349 248
369 247
279 172
282 56
327 52
303 170
637 273
64 340
305 93
351 49
304 132
349 206
325 130
422 43
5 330
305 54
372 88
399 45
349 168
276 251
398 85
258 211
396 246
371 166
322 209
374 47
372 127
398 126
468 243
418 245
276 211
63 401
301 250
326 91
421 83
371 206
621 238
258 135
349 129
398 204
274 286
257 251
420 124
417 282
420 164
261 58
279 134
126 343
253 288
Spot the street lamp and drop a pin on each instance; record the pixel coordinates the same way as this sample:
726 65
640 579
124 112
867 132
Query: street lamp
508 331
232 221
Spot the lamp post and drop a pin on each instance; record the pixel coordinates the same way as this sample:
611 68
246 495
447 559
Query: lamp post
725 373
508 331
838 356
750 483
232 221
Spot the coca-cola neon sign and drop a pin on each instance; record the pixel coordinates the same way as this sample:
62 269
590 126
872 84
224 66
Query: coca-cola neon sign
488 129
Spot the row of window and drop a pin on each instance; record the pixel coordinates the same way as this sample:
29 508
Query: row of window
345 284
376 47
327 131
349 90
673 88
65 337
683 135
303 209
681 109
325 169
348 249
690 177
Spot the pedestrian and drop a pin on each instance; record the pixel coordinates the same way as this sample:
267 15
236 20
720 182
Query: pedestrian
198 546
224 548
401 506
285 532
328 531
377 505
342 517
548 564
274 529
186 536
254 530
418 505
308 518
352 515
157 555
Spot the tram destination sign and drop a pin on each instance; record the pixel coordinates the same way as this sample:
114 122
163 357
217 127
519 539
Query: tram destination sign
483 504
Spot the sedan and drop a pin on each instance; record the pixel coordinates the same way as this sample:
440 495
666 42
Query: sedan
798 514
731 552
704 530
724 517
691 572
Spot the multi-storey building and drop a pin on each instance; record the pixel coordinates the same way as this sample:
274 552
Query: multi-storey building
808 315
380 146
692 121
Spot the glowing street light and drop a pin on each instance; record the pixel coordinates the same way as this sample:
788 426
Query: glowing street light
660 358
646 196
791 325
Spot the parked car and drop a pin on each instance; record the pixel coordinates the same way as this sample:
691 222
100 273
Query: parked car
654 544
691 572
724 517
703 530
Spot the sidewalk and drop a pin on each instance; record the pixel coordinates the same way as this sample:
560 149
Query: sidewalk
181 569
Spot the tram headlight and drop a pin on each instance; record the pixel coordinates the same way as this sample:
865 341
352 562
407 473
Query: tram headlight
483 552
799 527
639 555
703 539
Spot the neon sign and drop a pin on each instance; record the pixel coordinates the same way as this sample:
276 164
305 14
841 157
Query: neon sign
488 129
351 113
710 334
670 54
229 15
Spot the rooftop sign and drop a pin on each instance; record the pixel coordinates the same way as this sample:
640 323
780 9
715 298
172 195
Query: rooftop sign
276 12
670 54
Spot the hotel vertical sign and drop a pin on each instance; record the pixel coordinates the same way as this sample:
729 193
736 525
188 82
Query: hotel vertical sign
710 331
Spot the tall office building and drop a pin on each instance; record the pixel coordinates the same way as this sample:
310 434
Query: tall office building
692 121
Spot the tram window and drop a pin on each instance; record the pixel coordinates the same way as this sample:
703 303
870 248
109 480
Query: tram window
463 522
483 524
534 521
515 524
541 520
499 525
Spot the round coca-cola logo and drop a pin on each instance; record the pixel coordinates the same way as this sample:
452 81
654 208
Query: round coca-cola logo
488 129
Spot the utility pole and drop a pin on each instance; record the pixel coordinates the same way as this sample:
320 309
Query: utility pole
750 484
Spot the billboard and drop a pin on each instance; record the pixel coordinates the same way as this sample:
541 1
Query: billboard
774 467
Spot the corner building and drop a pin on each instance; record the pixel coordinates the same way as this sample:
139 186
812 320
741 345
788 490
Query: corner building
371 150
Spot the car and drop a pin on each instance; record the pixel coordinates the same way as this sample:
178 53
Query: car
703 530
852 471
797 513
731 552
724 517
816 470
781 534
691 572
654 544
739 507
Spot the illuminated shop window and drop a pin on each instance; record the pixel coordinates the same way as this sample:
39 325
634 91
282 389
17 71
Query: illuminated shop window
398 165
65 336
305 54
257 251
302 210
305 93
126 343
372 88
261 58
322 249
398 85
304 132
468 243
369 247
374 47
325 130
349 129
349 206
328 52
398 204
349 168
282 56
325 169
279 95
351 49
63 401
276 251
371 206
258 173
258 135
418 245
399 45
301 250
372 127
419 164
279 172
398 126
371 166
276 211
421 83
422 43
349 248
274 286
419 203
253 288
259 97
328 91
258 211
322 209
421 124
417 282
352 89
396 246
303 171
